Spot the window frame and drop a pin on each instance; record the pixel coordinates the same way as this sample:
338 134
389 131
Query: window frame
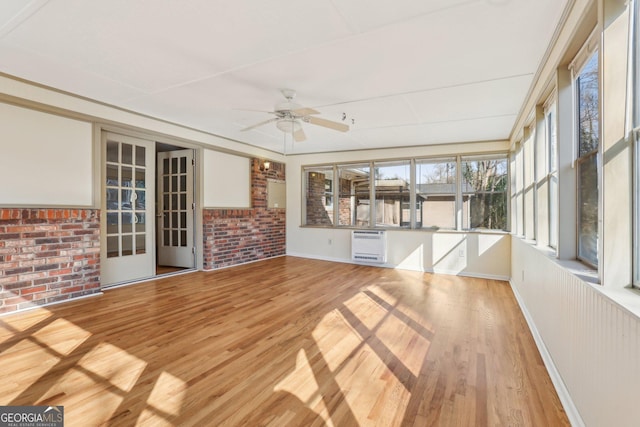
505 158
590 48
550 111
306 191
634 71
338 167
529 181
379 195
439 160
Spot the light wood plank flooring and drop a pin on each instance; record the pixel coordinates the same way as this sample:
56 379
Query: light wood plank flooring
287 341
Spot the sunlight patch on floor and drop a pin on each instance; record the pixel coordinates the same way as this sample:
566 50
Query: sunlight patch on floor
151 418
26 321
168 394
374 352
335 339
114 365
301 382
62 342
25 360
77 389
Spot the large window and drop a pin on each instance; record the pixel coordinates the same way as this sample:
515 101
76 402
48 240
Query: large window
635 40
384 194
552 171
518 179
484 193
529 177
588 169
436 193
354 205
392 193
319 208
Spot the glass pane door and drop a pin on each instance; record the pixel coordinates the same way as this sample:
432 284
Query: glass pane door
175 203
126 232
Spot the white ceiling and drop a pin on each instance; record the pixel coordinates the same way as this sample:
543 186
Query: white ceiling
408 72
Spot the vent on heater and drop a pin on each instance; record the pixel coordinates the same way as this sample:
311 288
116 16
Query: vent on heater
369 246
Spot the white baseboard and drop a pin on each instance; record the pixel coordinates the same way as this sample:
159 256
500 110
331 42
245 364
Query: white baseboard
563 393
426 270
244 263
36 306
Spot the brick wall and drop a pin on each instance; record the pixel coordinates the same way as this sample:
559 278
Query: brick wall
237 236
317 213
344 203
48 255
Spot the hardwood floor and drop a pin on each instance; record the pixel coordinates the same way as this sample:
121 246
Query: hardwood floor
287 341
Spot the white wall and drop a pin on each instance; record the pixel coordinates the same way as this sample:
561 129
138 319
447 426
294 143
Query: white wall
19 92
227 180
591 343
479 254
58 166
587 322
46 160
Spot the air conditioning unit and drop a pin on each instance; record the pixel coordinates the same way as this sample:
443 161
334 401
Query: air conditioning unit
369 246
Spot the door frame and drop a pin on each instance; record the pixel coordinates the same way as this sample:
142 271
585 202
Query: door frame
139 266
135 132
162 218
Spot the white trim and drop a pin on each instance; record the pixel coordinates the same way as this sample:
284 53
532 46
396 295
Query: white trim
244 263
424 270
36 306
563 393
590 45
149 279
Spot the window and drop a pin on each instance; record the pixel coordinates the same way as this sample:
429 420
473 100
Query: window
328 192
529 180
354 208
635 42
552 171
588 168
319 210
484 193
518 179
392 193
409 193
514 200
436 193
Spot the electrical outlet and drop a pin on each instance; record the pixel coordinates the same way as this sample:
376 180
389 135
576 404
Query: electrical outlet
461 253
330 241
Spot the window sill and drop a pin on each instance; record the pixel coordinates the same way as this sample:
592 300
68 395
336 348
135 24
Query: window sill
627 298
404 229
577 268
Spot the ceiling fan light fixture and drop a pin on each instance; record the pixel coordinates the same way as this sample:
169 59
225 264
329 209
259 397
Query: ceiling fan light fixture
288 125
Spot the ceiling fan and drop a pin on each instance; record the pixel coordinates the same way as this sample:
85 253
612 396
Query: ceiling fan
289 117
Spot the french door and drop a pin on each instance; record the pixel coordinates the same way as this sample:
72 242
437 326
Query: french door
128 192
175 209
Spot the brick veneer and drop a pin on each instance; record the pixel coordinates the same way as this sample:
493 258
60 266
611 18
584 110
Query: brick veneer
48 255
344 203
317 213
237 236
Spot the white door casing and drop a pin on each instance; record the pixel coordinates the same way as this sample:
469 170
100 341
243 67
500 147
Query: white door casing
176 209
128 222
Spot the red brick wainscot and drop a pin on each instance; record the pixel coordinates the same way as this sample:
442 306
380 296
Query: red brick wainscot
48 255
238 236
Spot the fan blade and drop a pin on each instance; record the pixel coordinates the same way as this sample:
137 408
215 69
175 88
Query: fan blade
328 124
299 135
304 111
275 119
